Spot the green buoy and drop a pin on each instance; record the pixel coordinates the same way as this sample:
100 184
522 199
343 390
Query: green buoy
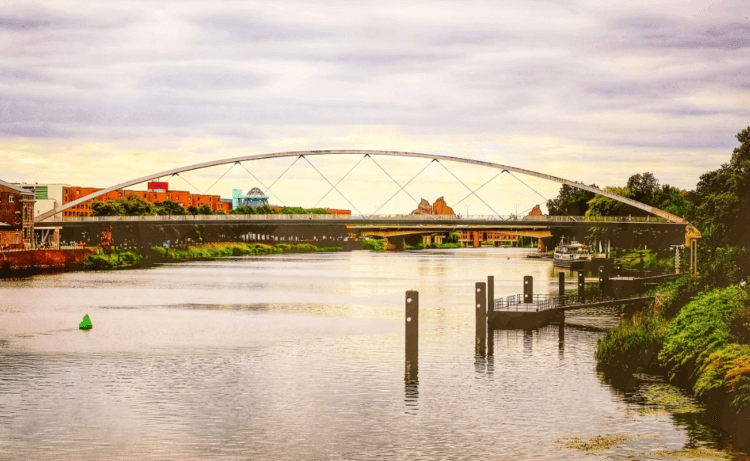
86 323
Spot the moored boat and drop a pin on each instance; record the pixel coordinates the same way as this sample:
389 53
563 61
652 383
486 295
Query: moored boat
568 253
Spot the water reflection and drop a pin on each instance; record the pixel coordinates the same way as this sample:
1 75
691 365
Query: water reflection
411 384
561 341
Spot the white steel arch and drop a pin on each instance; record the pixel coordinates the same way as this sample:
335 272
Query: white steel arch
668 216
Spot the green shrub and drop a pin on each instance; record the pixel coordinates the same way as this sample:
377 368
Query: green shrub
374 244
699 330
633 345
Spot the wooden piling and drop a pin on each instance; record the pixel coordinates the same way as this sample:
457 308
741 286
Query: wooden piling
581 286
490 294
480 303
412 324
528 289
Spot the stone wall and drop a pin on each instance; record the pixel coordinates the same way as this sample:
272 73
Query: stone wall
43 259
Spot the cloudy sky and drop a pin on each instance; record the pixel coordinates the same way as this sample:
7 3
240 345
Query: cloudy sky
93 93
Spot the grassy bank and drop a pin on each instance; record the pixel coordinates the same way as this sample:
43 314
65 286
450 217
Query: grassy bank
701 340
219 250
374 244
115 259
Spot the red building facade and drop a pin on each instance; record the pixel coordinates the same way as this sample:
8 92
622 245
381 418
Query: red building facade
157 192
16 217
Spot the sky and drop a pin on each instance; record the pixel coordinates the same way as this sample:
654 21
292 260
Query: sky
95 93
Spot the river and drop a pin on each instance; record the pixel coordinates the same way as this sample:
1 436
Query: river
302 357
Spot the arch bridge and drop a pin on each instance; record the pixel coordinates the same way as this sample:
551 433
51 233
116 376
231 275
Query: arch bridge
377 223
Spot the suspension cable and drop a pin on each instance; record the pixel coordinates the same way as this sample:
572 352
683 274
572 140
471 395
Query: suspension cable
329 182
189 183
459 202
339 182
261 183
402 187
225 173
477 196
542 196
397 183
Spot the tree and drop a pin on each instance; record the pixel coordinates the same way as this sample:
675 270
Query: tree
722 199
643 187
204 209
605 206
192 210
571 201
108 208
169 207
244 209
137 206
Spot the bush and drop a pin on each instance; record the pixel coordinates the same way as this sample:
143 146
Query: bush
699 330
633 345
374 244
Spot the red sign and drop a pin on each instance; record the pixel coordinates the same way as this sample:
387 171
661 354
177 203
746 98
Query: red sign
158 186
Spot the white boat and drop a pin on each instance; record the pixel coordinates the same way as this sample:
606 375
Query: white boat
568 253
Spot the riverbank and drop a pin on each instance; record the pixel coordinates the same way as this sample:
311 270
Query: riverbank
29 262
700 340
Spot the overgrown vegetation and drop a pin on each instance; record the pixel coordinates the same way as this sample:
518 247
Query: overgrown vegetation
374 244
220 250
114 259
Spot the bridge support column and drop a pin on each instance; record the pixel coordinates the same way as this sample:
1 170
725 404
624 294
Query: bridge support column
475 238
581 287
541 247
412 335
438 239
480 303
426 239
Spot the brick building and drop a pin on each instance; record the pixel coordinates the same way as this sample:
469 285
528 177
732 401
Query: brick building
16 217
157 192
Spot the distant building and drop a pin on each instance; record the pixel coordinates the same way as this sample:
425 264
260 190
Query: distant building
254 198
51 196
16 216
440 207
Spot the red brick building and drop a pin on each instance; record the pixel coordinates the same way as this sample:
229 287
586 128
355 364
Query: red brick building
16 217
157 192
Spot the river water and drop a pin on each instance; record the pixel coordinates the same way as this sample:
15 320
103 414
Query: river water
302 357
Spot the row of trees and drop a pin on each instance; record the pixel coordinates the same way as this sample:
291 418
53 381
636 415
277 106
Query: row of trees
719 208
133 205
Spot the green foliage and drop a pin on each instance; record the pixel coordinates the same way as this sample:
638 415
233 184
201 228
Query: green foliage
169 207
699 330
723 265
113 260
605 206
642 186
300 210
739 319
204 210
633 345
728 367
571 201
374 244
453 237
108 208
722 198
244 209
220 250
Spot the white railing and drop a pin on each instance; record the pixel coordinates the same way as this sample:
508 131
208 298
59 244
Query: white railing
346 217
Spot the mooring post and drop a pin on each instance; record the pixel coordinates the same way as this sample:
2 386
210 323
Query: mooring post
412 324
581 287
490 294
480 302
561 287
603 281
528 289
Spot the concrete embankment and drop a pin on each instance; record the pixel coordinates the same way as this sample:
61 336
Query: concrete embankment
32 261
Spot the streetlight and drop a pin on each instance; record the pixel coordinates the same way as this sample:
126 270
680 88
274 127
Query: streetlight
467 211
516 211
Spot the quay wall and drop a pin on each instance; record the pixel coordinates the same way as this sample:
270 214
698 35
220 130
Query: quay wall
42 259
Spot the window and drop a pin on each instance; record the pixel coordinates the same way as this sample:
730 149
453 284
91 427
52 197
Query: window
11 198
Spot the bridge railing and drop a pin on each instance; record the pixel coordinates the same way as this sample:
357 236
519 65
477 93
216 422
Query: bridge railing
346 217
